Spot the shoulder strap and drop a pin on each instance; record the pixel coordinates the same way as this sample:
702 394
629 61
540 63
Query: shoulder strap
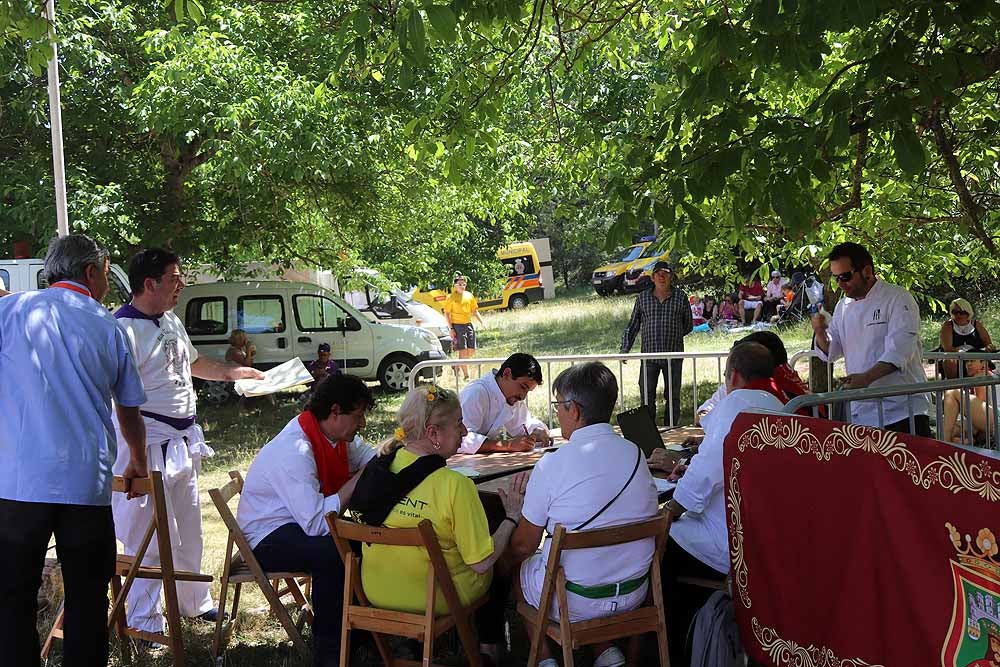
638 458
412 475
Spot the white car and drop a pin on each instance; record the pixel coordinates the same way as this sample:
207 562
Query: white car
290 319
398 307
21 275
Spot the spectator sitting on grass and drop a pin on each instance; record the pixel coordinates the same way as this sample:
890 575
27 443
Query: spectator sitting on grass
710 310
323 365
241 351
727 310
697 310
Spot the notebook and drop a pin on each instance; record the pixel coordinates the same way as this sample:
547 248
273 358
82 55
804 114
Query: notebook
639 426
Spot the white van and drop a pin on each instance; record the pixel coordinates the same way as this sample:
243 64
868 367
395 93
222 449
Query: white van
290 319
397 307
21 275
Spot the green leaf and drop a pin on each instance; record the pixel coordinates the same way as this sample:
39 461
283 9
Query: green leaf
362 23
417 38
664 213
908 150
443 21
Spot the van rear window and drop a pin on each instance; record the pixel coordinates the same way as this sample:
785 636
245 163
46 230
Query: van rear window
207 316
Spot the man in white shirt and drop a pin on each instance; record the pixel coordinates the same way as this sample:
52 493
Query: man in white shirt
876 328
699 540
305 472
496 402
175 443
573 486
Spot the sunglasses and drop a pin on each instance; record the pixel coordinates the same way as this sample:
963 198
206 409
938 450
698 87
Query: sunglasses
959 312
845 276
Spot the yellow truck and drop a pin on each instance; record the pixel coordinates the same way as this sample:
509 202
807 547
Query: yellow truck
529 279
611 277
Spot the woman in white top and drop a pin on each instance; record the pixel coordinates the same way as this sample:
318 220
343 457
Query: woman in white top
573 486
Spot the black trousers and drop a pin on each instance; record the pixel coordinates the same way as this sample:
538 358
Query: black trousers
85 544
649 377
682 601
922 424
289 549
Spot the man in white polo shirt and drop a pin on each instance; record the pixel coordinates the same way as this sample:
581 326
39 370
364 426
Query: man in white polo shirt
876 328
496 402
597 479
698 545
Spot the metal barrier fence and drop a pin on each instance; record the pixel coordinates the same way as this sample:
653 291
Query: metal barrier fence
694 364
690 361
952 399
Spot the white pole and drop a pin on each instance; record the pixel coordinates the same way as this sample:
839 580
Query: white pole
55 120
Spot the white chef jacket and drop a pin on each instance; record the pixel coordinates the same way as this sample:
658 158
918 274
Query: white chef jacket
884 326
486 414
282 486
701 530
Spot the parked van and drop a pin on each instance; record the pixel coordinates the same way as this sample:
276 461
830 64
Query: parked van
638 276
611 277
529 271
290 319
21 275
396 307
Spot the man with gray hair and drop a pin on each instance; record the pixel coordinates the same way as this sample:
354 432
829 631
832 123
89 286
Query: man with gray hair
597 479
63 357
698 545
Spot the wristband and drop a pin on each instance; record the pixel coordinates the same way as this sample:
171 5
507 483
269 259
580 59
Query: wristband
513 521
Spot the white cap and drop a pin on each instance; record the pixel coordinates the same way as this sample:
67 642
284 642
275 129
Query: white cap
775 274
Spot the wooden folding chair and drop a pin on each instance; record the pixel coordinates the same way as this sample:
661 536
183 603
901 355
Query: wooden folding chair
130 568
423 627
242 567
648 618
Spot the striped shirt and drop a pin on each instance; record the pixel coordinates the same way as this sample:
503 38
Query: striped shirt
663 324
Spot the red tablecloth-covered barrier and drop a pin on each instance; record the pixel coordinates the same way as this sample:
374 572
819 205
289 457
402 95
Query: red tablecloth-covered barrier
853 546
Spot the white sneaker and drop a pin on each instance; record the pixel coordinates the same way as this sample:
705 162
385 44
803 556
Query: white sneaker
548 662
612 657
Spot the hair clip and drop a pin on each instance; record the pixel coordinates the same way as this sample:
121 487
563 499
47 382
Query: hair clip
399 434
431 393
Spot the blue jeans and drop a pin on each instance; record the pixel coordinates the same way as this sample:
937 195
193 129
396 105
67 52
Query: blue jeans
289 549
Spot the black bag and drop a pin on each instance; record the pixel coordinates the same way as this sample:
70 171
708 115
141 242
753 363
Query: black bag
379 489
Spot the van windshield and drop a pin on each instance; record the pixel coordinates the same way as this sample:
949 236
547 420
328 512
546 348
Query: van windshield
631 254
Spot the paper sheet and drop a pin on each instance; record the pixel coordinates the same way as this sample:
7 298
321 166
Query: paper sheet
288 374
465 470
663 485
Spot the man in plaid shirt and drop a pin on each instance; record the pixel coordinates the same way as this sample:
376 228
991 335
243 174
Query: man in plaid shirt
663 315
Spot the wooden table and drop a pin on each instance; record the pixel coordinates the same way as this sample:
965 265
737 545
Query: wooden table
494 468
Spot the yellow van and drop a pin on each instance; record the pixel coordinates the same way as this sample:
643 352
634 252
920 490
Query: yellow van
524 283
610 277
639 274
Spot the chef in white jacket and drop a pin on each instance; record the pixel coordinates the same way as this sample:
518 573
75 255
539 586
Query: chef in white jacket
496 403
175 443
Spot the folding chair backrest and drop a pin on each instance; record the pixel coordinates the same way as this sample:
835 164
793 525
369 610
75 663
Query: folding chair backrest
612 535
220 498
423 535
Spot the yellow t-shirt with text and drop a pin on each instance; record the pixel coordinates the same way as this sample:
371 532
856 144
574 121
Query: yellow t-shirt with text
460 307
396 577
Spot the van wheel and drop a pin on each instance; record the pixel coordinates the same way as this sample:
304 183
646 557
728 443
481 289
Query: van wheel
518 301
217 392
394 373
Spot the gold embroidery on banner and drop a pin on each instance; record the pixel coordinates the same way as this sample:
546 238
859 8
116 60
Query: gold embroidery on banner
784 652
739 568
951 472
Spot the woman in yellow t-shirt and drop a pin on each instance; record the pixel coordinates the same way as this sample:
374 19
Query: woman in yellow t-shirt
396 577
460 307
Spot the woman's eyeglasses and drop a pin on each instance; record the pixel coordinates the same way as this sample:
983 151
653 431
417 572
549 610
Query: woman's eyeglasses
956 313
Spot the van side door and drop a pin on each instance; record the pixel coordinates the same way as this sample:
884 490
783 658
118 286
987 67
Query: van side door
264 315
321 319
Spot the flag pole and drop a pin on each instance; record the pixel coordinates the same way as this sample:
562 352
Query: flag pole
55 121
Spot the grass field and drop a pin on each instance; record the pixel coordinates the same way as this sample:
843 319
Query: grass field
578 323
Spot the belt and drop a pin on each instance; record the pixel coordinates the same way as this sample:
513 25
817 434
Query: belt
607 590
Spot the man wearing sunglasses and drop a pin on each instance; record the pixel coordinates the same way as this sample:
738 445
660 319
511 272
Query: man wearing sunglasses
875 327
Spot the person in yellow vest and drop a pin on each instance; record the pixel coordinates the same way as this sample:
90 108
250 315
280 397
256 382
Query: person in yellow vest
460 307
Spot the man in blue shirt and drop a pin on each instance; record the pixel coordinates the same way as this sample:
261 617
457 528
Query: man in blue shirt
62 359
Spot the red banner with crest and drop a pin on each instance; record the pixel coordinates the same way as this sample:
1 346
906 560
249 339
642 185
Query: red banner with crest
852 546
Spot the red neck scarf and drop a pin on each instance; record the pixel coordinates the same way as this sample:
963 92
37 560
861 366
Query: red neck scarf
768 385
331 461
73 287
792 385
